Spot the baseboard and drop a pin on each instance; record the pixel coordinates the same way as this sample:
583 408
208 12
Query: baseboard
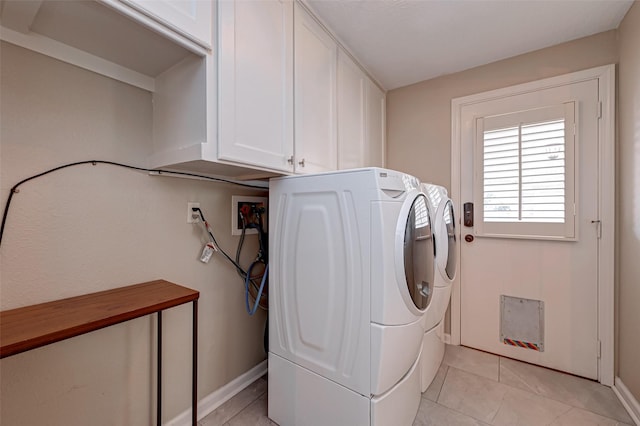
628 400
218 397
447 338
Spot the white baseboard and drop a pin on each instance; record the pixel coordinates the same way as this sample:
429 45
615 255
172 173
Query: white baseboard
218 397
627 399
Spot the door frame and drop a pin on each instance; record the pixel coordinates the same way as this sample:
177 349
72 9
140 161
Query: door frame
606 197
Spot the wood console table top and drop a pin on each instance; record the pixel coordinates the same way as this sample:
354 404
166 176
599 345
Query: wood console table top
33 326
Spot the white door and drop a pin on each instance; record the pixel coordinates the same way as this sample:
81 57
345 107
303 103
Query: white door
315 95
529 261
256 83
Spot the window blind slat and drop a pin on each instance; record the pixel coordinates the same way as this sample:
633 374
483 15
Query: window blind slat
501 147
542 171
543 136
524 173
495 161
543 178
511 153
545 164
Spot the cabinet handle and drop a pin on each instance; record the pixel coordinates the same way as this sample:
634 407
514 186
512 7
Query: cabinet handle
301 162
290 160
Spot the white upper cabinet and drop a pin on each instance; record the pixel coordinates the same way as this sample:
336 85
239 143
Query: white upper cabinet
361 117
376 131
315 95
240 88
352 87
255 98
191 18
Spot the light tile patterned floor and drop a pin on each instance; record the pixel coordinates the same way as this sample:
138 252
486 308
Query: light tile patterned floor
474 388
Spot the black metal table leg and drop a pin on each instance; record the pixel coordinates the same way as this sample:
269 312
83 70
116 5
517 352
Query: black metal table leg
194 367
159 373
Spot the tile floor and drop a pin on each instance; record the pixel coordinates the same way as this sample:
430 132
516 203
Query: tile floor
474 388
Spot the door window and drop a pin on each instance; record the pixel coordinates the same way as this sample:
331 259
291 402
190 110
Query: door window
419 253
525 181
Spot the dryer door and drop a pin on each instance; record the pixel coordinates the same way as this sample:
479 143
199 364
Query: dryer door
452 244
419 248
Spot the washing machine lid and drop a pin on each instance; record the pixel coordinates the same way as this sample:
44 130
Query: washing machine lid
418 253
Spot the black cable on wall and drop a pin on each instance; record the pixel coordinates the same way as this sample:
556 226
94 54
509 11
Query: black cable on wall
15 189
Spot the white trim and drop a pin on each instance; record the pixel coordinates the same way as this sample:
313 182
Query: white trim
534 86
260 185
180 33
71 55
218 397
144 18
627 399
606 264
606 86
456 169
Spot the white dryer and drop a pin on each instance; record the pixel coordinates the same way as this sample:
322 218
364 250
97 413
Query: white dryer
446 265
351 275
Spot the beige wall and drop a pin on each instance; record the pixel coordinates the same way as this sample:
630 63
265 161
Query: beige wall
419 116
419 142
90 228
628 184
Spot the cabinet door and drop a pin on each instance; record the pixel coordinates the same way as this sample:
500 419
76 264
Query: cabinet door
315 96
351 113
376 127
256 83
191 18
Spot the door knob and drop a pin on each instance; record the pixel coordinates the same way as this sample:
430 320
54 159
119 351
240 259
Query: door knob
468 238
301 162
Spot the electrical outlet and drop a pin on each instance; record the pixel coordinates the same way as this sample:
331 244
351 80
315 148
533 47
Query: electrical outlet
237 201
192 217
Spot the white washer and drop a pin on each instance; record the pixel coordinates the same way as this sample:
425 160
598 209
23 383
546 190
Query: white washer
446 264
351 274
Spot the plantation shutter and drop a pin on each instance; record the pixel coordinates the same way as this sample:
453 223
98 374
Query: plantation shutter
524 181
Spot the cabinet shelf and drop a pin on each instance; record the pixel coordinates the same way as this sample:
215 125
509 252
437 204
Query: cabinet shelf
105 37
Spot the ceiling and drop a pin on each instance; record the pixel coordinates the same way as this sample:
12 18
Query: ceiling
402 42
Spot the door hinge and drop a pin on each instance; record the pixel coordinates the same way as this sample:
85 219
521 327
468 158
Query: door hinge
599 346
598 224
600 109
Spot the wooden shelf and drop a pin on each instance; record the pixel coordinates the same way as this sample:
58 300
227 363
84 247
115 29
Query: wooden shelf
34 326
